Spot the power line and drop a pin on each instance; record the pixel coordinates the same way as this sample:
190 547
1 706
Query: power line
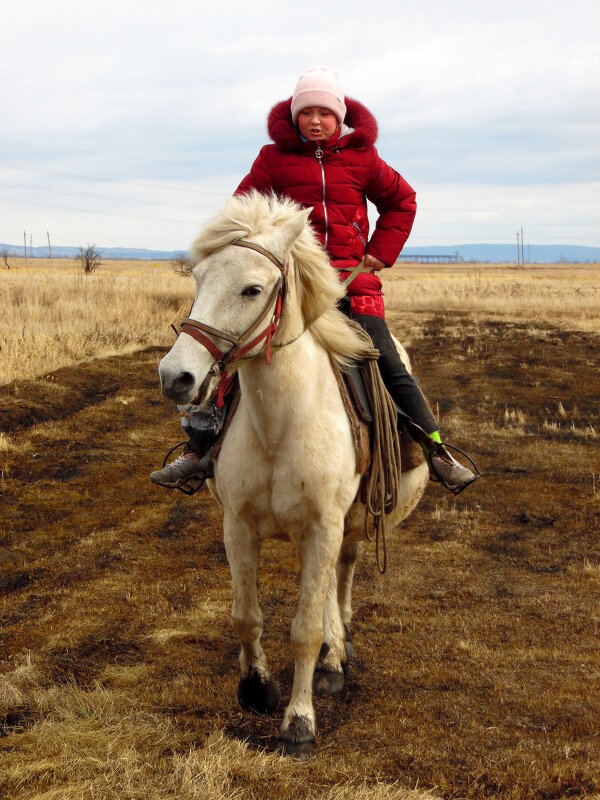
167 187
512 210
101 213
143 184
95 195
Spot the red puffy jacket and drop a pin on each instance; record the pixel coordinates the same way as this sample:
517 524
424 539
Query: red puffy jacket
337 186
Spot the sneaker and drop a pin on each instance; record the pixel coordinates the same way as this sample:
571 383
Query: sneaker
443 467
187 465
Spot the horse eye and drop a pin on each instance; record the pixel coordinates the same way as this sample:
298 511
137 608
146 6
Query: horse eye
252 291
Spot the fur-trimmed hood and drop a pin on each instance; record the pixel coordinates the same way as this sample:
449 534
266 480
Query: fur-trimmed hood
285 134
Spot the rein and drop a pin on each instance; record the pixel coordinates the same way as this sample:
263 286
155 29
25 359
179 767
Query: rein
243 343
358 270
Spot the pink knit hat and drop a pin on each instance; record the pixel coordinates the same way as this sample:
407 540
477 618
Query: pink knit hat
319 86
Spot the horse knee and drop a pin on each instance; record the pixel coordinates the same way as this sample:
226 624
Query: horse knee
306 637
247 625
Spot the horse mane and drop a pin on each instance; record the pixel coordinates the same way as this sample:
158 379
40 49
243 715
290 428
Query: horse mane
318 287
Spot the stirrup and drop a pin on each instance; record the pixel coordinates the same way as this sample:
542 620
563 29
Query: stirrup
193 484
435 448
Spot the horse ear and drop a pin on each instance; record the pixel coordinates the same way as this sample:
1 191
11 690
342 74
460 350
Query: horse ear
288 233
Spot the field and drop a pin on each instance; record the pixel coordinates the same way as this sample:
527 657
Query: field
478 671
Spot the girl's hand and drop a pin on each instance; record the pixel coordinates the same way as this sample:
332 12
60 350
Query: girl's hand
374 263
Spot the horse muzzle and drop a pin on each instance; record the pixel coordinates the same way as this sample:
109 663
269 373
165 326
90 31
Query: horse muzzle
176 384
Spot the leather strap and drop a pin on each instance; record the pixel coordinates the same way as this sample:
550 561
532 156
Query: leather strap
358 270
266 253
198 330
196 333
208 329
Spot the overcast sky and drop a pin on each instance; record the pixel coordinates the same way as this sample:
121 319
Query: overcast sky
128 123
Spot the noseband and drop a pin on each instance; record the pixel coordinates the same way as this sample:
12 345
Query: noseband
243 343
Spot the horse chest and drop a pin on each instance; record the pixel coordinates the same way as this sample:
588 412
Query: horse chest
273 503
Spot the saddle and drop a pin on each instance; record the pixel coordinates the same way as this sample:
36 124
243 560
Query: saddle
360 413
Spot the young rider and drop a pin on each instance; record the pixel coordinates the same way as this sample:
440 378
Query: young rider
324 156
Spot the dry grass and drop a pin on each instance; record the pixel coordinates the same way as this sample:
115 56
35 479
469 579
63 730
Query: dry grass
54 315
569 294
479 650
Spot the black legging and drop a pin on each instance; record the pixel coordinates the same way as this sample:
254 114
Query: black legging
398 381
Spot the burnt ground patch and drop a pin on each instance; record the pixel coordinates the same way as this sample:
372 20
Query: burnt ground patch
62 393
478 652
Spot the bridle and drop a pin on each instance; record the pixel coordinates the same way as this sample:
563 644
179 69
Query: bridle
245 342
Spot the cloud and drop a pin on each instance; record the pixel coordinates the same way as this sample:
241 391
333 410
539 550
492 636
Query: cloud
178 93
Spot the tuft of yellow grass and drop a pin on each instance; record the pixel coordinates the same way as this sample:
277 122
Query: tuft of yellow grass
55 316
568 294
100 743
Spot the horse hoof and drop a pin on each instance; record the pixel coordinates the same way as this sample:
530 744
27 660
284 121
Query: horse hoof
325 682
258 695
297 739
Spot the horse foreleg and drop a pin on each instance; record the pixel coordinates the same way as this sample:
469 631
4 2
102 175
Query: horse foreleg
319 550
329 674
345 575
257 690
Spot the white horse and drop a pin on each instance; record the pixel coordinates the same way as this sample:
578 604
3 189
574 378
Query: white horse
287 467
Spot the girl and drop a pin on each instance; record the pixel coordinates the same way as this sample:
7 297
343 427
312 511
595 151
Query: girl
324 156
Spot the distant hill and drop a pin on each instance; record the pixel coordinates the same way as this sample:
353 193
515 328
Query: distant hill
534 253
65 251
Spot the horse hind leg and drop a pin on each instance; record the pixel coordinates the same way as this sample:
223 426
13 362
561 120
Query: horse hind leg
345 576
329 672
258 690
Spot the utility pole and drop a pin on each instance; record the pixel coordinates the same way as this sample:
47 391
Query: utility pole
49 245
24 244
522 251
31 245
518 251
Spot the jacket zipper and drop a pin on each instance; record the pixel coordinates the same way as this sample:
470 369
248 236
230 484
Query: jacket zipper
359 234
319 155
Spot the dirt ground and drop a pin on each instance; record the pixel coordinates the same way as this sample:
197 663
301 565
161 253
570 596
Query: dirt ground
478 671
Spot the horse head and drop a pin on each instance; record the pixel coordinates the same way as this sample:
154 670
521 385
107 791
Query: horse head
238 302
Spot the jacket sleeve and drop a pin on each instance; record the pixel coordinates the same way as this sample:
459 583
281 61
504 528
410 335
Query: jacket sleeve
259 177
396 203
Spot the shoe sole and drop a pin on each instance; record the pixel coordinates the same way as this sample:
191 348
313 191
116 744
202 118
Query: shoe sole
202 476
463 486
175 484
166 485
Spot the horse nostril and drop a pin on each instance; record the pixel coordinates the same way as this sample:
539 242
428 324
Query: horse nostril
183 382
